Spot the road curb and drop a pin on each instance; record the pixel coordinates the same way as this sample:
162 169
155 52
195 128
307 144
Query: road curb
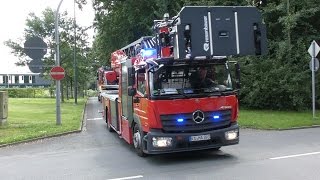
302 127
81 127
286 129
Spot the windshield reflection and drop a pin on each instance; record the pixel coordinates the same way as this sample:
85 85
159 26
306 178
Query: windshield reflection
190 80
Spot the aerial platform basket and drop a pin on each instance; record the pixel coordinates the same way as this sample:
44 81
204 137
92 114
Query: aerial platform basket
219 31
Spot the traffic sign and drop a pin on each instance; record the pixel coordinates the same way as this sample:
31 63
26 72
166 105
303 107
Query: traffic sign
35 47
57 73
314 49
35 66
316 64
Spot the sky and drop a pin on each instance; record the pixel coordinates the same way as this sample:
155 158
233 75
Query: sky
13 15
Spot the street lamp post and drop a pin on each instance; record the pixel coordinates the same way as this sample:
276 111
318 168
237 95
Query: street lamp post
58 112
74 56
289 35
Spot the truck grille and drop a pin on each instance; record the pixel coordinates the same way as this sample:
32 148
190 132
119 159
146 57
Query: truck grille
170 122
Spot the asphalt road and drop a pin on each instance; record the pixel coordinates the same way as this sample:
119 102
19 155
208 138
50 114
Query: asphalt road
97 154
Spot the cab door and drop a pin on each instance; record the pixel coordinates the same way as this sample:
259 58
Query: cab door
140 100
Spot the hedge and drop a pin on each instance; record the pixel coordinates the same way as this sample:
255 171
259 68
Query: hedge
30 92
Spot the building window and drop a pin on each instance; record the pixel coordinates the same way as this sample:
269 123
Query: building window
33 79
26 79
5 79
16 79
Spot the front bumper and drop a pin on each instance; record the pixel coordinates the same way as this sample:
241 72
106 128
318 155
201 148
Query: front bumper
181 142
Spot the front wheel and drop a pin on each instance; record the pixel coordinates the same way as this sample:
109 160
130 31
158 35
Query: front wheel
215 149
137 140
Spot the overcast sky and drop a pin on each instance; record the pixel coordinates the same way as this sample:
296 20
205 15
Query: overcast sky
13 14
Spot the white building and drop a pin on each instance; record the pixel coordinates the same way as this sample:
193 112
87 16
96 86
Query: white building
13 76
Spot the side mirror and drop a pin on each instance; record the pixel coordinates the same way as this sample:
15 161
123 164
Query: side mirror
237 69
131 76
131 91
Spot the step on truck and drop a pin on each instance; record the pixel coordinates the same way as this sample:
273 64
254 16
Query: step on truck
177 89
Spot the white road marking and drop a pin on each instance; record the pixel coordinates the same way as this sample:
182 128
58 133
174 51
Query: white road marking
94 119
130 177
295 155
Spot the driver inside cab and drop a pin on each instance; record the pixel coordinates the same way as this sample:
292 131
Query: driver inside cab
201 79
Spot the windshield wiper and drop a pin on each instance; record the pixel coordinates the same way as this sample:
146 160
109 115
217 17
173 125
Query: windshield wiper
228 92
181 92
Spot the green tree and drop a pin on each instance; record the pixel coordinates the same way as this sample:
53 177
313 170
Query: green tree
43 27
282 80
279 80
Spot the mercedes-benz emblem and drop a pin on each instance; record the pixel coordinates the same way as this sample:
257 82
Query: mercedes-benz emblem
198 116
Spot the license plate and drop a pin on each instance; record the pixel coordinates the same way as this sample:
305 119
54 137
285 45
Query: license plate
200 137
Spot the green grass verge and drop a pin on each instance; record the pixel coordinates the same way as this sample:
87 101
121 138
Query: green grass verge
267 119
30 118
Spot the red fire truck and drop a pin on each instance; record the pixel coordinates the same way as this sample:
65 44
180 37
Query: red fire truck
107 81
177 90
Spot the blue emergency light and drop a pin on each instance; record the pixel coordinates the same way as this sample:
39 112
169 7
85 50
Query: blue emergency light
149 53
180 120
216 117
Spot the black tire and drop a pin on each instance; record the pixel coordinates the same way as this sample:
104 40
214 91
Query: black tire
138 140
215 149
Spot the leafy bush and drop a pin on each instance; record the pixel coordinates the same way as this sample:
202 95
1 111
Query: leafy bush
91 93
30 92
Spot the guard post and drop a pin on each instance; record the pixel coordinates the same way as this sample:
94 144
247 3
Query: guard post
3 107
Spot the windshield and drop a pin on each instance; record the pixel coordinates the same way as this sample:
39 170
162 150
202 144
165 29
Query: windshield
191 80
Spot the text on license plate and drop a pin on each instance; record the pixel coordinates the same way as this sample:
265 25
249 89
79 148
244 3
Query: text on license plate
200 137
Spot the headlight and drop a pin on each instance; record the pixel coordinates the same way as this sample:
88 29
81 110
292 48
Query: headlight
231 135
162 141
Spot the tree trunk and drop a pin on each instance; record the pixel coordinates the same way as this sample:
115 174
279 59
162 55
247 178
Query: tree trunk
83 90
61 89
67 90
71 87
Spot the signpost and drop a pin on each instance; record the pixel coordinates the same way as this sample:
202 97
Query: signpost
57 73
313 51
56 27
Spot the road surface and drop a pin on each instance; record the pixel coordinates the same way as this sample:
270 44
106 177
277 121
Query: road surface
97 154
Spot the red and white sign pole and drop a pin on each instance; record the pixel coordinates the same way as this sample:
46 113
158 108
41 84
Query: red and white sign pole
56 24
57 73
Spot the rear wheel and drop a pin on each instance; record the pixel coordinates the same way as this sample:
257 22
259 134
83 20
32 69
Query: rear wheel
137 140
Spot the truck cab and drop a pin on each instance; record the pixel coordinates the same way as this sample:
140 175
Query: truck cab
185 105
